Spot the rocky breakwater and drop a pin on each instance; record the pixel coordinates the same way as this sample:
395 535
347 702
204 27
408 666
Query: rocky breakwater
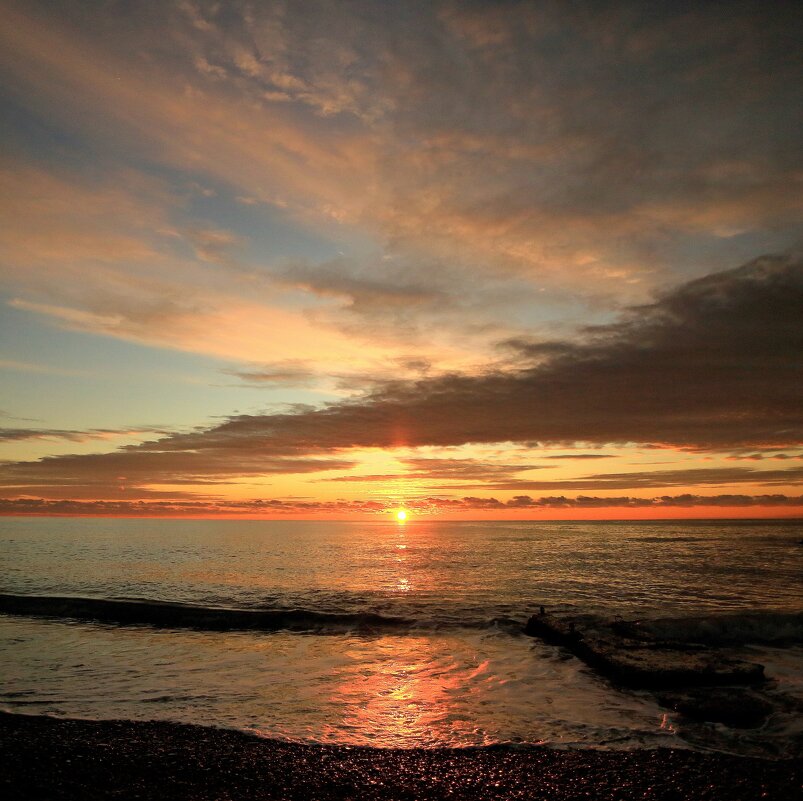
691 678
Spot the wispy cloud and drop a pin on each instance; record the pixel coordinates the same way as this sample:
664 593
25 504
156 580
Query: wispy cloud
579 456
22 434
689 477
463 136
432 469
107 474
288 373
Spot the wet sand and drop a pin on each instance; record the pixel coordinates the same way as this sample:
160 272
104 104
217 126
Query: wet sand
44 757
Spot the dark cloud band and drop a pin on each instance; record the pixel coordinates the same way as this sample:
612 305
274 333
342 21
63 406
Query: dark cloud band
714 364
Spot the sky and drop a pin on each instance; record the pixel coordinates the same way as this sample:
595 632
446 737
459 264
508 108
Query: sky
500 260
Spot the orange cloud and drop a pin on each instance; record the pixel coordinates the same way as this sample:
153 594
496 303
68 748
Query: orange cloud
521 507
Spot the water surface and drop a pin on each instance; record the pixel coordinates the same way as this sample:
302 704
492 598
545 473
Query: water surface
460 674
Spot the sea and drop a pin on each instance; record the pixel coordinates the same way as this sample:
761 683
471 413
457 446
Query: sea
404 635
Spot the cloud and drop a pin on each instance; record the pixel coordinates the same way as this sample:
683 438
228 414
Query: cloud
686 477
433 305
282 374
9 416
297 373
430 505
104 474
579 456
464 468
114 255
713 364
111 256
430 469
22 434
580 149
592 502
213 244
363 293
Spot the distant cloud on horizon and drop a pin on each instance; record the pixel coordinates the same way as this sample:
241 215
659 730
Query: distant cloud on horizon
428 505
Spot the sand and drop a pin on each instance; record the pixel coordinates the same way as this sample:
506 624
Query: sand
56 759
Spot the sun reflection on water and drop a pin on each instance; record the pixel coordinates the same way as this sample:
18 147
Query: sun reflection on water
410 695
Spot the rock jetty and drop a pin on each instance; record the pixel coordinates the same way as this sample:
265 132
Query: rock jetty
690 678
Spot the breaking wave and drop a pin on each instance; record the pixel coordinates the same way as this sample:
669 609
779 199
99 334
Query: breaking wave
760 628
174 615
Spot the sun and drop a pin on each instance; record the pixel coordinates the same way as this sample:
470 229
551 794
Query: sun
401 515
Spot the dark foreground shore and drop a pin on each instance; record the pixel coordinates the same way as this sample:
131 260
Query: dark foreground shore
74 759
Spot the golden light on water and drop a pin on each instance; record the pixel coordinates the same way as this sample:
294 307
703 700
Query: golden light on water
401 515
409 694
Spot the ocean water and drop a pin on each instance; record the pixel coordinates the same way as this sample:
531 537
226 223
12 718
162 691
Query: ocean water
442 661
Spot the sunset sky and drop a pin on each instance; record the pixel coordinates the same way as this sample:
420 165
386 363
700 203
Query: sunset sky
333 259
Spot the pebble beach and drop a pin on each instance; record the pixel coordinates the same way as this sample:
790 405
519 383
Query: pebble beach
83 760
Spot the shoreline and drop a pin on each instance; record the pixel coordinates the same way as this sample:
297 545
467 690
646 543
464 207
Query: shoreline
59 758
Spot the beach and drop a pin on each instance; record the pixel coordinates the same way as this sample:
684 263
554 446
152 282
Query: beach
45 757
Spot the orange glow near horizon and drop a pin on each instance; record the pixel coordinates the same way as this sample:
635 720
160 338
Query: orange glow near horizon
603 514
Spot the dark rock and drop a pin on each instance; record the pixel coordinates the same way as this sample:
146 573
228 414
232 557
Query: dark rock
550 629
642 664
732 706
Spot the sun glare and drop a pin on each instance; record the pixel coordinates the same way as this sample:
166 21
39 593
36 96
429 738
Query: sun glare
401 515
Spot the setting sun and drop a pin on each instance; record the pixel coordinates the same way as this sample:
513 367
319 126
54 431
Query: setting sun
401 515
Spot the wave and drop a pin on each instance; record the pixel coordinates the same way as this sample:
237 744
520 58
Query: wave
766 628
204 618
